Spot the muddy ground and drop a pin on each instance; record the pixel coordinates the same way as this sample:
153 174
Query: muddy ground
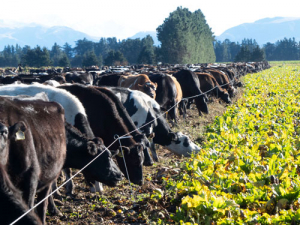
127 204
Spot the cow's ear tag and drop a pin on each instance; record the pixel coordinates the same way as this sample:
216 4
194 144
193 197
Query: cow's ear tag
120 154
20 135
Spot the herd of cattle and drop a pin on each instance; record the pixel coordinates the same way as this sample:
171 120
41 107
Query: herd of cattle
51 123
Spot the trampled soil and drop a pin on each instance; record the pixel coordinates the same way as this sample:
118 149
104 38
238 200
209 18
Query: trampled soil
127 204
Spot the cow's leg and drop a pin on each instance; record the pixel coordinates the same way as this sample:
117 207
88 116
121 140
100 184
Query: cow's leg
29 186
182 108
57 194
70 185
52 209
147 160
153 151
41 208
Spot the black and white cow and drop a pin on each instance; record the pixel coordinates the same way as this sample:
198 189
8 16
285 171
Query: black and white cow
177 143
106 121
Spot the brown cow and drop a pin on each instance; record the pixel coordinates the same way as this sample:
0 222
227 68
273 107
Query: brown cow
209 85
140 82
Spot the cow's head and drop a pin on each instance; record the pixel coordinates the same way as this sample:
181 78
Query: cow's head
182 145
201 103
231 91
141 138
103 169
14 133
149 88
134 158
225 96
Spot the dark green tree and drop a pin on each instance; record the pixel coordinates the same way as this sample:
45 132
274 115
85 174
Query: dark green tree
131 49
147 54
186 38
244 55
77 61
55 54
257 54
68 50
83 46
37 57
64 61
115 58
90 59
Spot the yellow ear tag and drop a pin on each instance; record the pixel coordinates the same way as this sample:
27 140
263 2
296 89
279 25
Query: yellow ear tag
120 154
20 135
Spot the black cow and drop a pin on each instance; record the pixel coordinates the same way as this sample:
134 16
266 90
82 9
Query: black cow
106 122
166 93
12 205
35 139
131 126
190 86
108 80
80 78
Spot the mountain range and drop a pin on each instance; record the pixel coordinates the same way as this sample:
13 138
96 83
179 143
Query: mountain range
263 31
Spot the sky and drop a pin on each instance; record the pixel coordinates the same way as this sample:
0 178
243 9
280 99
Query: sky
125 18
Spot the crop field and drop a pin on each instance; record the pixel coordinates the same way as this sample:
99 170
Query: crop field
247 171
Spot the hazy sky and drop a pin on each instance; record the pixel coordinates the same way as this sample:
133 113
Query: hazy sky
124 18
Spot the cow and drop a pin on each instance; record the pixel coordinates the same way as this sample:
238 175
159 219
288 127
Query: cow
177 143
12 205
222 80
140 82
108 80
106 123
168 93
190 86
209 85
138 137
80 78
35 139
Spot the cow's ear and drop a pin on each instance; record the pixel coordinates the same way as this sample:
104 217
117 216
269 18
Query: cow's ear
155 84
114 152
17 131
126 151
98 141
92 148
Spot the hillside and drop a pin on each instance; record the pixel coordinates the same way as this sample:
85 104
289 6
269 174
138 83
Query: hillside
33 35
264 30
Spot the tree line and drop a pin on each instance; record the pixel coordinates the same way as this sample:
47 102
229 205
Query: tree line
185 38
108 51
249 50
